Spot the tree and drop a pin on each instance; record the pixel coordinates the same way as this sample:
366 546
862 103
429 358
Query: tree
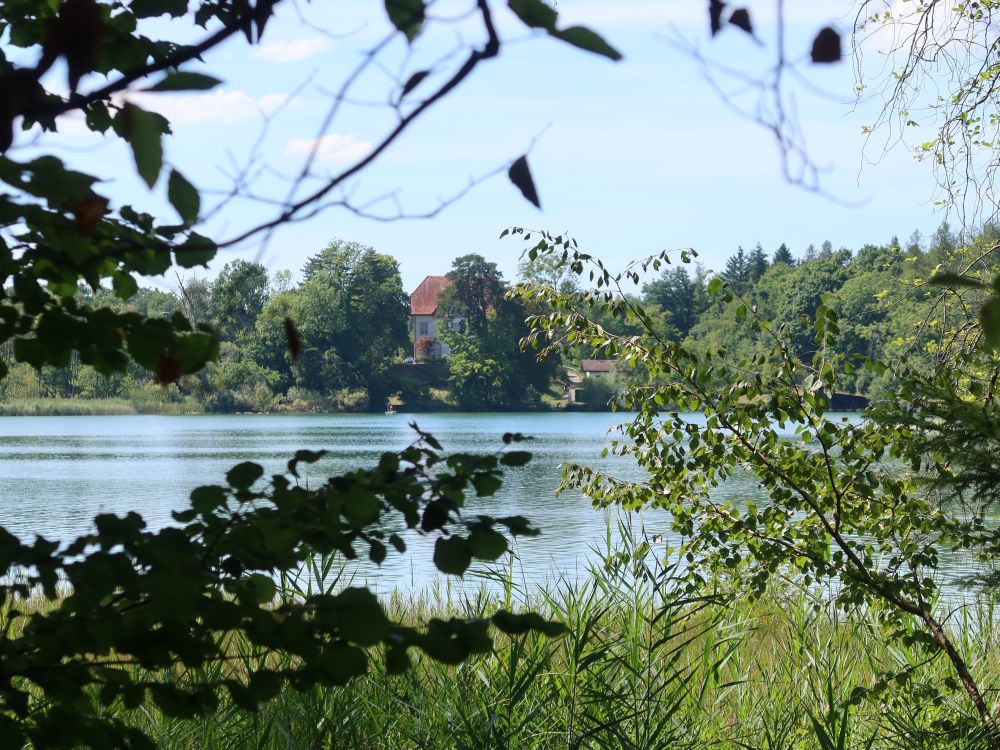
757 263
737 270
238 295
353 317
164 599
476 288
783 255
915 244
487 368
828 507
547 270
945 49
682 297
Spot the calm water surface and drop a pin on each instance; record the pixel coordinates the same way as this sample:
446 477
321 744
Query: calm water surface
56 473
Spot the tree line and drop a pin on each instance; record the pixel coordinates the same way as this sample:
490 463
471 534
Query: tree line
350 321
335 341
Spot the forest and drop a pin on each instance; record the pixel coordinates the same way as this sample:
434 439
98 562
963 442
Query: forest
352 315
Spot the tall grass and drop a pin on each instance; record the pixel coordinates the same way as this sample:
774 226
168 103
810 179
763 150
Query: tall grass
58 407
642 665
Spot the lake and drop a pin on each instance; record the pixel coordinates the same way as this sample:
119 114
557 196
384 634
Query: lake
56 473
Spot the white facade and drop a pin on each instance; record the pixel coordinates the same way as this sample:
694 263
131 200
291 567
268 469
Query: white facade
428 326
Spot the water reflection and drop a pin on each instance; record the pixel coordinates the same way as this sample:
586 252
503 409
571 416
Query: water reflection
56 473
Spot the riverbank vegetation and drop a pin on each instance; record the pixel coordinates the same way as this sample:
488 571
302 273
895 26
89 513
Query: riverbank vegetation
808 613
640 665
350 315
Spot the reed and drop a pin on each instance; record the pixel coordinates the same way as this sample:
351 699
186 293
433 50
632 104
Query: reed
73 407
642 665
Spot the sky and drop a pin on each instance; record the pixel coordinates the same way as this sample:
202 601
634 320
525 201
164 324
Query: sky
629 157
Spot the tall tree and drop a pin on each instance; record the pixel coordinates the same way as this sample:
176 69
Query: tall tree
757 263
476 288
737 271
238 295
353 316
548 270
783 255
682 297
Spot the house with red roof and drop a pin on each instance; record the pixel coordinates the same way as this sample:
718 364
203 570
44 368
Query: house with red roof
424 318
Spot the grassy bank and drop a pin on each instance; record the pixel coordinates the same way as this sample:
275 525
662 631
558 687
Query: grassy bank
639 667
53 407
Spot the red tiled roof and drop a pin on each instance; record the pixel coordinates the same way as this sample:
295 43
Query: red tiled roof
424 300
598 365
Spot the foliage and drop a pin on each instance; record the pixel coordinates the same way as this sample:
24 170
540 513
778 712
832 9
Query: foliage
167 599
126 597
830 510
353 316
640 665
682 297
239 293
482 328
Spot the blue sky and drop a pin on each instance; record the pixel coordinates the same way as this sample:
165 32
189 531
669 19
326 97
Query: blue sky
630 157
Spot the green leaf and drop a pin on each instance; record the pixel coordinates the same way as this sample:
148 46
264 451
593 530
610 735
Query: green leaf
397 660
989 317
361 508
263 588
514 624
487 544
949 278
124 285
715 285
407 16
207 498
360 616
143 131
194 350
196 250
486 484
515 458
183 197
452 555
304 456
243 475
173 701
534 13
152 8
185 81
590 41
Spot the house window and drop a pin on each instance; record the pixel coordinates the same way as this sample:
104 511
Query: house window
424 326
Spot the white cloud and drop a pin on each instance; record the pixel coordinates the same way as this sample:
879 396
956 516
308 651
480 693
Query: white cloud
218 107
292 51
334 147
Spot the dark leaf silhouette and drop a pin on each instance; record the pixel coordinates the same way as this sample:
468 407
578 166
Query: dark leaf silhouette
294 338
407 16
414 81
520 175
715 8
88 213
826 46
185 81
740 18
585 39
535 13
168 369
